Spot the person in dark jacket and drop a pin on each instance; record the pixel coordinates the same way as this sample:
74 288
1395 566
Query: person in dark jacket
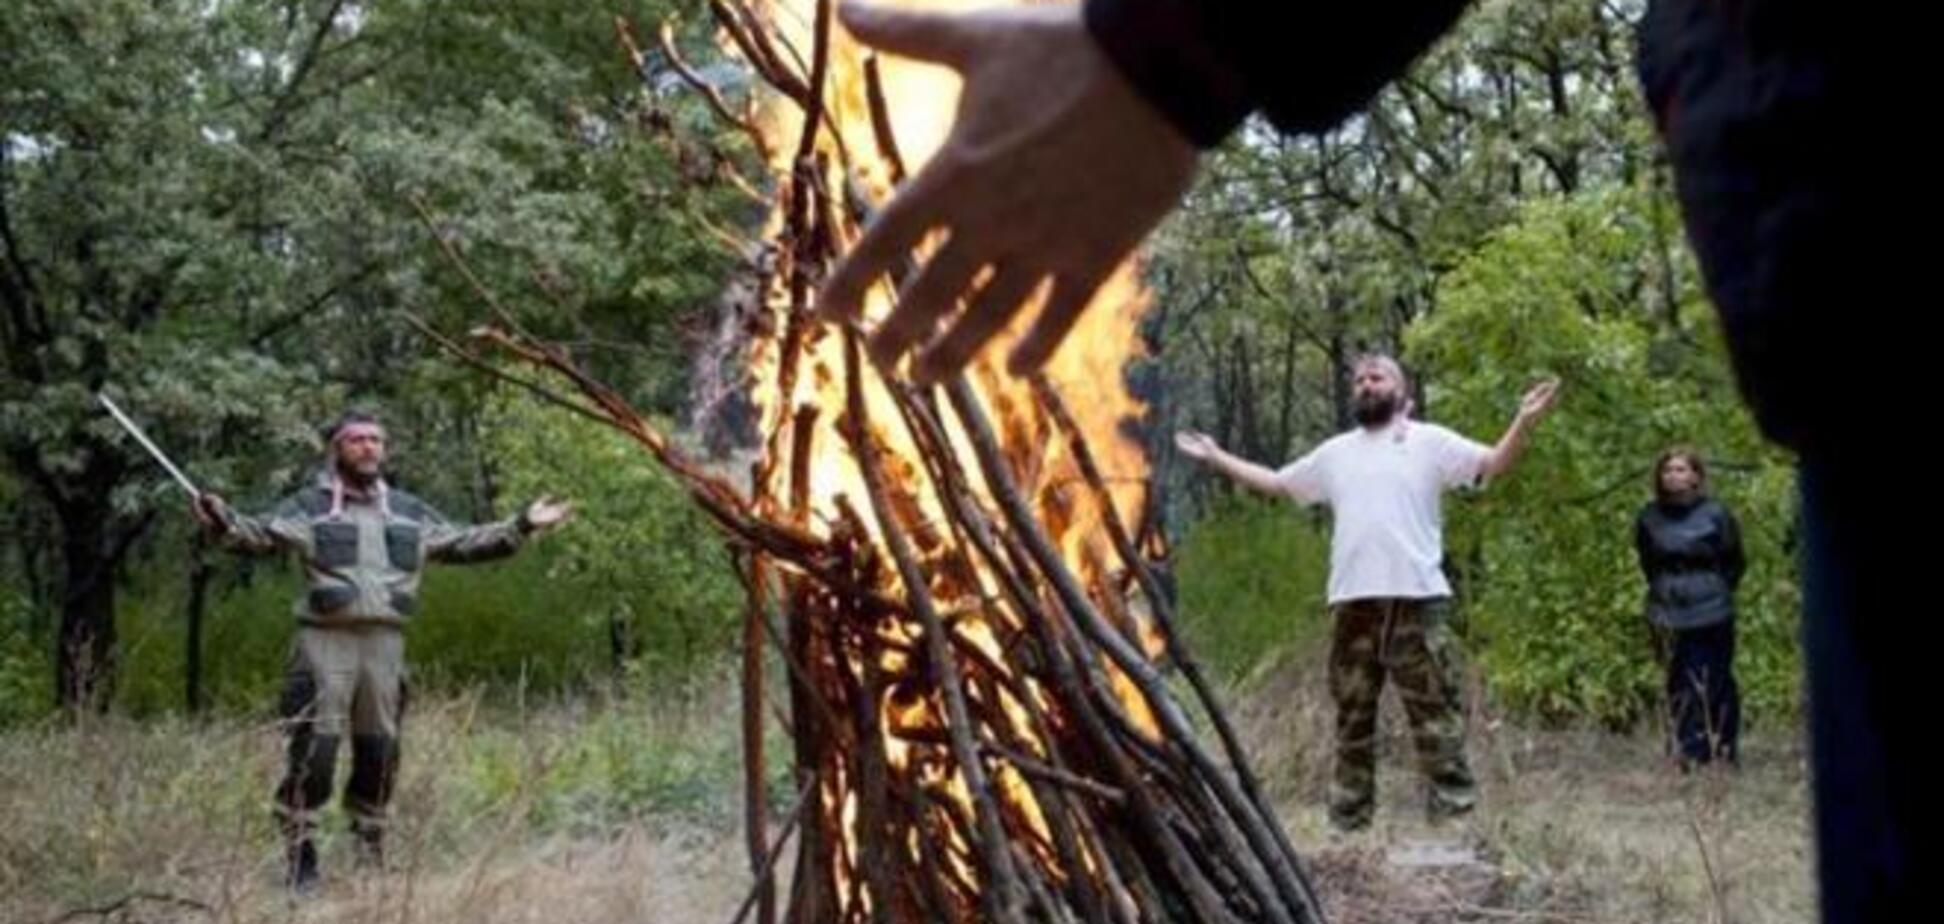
1691 552
1080 126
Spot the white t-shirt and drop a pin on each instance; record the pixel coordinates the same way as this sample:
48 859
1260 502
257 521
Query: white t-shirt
1383 488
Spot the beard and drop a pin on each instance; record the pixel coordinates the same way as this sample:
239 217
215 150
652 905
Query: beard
359 474
1373 410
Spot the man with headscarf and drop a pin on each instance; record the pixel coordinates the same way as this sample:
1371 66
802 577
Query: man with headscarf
364 546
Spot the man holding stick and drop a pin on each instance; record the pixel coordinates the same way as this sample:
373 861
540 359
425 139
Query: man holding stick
364 546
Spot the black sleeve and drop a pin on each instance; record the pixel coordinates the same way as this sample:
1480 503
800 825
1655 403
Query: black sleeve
1207 64
1733 561
1644 545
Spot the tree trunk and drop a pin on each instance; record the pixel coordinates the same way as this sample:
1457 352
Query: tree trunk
1340 359
1248 423
85 649
32 540
1286 409
201 574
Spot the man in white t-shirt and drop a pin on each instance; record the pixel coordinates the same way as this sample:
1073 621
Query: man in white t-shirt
1388 597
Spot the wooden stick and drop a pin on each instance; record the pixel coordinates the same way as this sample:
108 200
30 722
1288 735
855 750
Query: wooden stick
1004 902
1058 777
1297 899
776 849
1163 610
694 79
755 796
1146 808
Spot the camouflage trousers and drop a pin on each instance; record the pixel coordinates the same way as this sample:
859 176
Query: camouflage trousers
1410 642
342 682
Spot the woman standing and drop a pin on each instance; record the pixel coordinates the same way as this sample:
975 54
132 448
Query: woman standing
1690 550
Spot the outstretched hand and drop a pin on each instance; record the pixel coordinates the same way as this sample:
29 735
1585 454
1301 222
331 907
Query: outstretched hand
1053 171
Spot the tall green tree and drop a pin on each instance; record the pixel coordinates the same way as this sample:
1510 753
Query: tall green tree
1547 561
204 205
1294 254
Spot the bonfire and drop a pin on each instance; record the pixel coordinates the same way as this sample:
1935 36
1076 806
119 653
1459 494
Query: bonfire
981 662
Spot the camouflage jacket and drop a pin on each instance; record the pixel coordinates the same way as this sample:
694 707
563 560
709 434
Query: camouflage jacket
363 565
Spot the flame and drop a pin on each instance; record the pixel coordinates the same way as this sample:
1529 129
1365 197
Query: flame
801 380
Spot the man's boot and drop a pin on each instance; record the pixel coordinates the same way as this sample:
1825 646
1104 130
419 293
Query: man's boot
300 866
370 844
374 769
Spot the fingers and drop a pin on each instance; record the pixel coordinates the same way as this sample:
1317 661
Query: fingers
998 301
548 512
1195 444
887 240
924 299
942 39
208 510
1545 392
1071 295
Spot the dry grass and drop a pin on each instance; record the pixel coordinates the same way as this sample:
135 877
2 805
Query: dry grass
1573 825
628 812
563 814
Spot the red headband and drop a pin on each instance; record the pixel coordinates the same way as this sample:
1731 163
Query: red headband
356 429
